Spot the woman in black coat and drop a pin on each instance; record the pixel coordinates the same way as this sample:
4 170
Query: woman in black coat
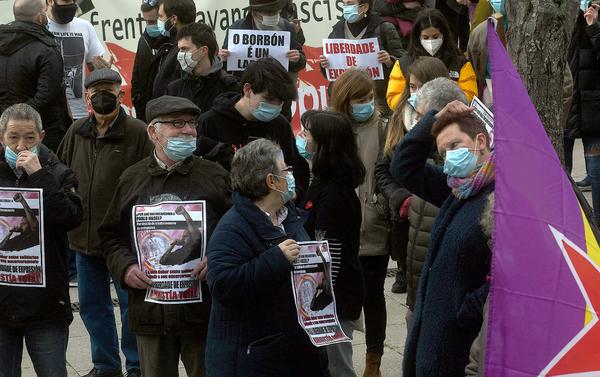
253 329
335 216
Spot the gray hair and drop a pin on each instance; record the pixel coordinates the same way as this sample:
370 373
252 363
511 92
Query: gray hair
437 93
20 111
28 10
251 165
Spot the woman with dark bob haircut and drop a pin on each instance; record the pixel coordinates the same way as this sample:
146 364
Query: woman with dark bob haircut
335 215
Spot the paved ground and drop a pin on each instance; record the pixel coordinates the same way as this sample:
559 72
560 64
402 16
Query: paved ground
79 360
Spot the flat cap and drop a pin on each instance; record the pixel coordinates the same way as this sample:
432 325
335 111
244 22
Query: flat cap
170 105
103 75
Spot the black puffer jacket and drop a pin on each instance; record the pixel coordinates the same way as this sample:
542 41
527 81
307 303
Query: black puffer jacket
31 68
422 217
584 60
147 183
62 211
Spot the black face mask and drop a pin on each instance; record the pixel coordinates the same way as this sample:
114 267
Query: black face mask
104 102
63 14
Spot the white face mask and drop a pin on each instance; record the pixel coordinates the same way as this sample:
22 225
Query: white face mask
186 61
270 21
432 46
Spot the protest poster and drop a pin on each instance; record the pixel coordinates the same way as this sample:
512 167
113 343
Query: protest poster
313 294
343 54
485 115
22 258
246 46
170 239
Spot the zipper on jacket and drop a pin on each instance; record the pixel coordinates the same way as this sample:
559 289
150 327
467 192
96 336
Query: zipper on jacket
95 146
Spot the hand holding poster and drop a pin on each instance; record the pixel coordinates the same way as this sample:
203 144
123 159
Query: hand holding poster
246 46
170 239
22 258
313 294
343 54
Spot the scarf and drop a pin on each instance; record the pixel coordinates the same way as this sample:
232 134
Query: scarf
464 188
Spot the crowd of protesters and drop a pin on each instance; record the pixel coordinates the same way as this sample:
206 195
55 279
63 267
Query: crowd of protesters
396 168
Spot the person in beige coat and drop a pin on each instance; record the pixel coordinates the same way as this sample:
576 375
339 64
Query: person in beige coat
354 97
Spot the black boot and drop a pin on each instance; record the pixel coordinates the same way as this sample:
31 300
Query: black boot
399 285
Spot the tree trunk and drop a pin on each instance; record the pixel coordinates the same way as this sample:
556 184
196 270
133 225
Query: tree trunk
538 36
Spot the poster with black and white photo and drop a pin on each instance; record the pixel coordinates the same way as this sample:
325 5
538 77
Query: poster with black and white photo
170 239
485 115
246 46
22 257
313 294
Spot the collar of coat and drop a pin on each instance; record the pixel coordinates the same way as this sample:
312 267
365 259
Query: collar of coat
262 224
115 131
374 21
184 167
45 156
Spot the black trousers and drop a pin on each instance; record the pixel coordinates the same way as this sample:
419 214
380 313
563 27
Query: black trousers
375 269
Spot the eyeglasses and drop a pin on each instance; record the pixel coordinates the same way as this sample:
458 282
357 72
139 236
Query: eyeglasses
152 3
179 123
287 170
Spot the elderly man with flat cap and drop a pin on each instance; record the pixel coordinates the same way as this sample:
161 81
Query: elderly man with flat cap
98 148
165 333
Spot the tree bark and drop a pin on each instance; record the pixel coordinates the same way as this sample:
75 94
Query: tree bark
538 36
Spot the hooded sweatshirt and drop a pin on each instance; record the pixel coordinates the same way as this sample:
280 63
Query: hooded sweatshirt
202 90
223 130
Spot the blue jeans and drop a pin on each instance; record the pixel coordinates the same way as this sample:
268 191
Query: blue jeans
97 313
591 149
46 344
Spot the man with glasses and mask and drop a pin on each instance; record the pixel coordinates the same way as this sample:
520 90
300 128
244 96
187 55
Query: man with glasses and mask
99 148
165 333
80 47
31 61
266 15
238 118
203 78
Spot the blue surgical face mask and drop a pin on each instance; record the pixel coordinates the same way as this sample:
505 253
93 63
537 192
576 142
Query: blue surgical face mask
413 100
351 14
162 28
153 31
301 144
11 157
498 6
460 162
288 195
179 148
265 112
362 112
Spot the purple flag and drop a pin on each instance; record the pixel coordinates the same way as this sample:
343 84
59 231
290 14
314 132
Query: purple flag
545 294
